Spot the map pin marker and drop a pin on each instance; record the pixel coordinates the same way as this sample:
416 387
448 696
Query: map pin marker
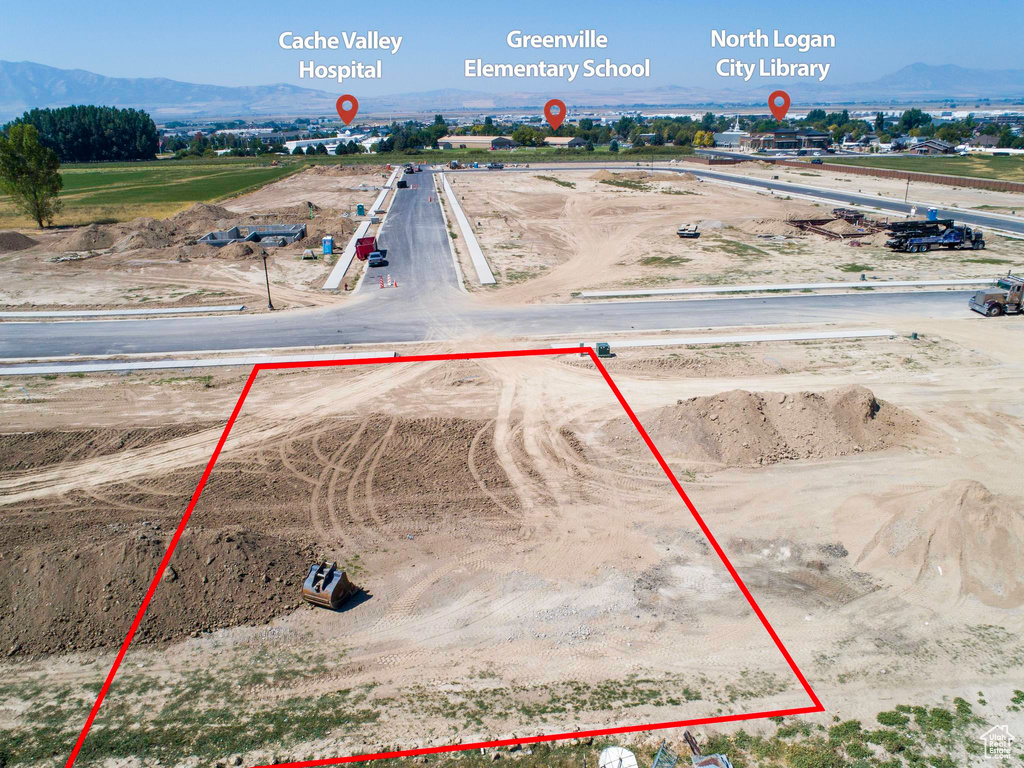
778 103
554 111
349 114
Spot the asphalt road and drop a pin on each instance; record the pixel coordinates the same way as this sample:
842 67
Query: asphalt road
375 321
428 306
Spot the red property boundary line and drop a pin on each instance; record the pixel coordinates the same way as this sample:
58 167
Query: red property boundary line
815 707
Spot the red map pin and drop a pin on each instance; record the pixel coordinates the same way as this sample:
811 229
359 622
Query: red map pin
554 111
778 103
348 114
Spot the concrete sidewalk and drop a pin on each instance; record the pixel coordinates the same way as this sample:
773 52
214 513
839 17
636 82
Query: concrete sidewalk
752 338
483 269
43 313
966 282
100 366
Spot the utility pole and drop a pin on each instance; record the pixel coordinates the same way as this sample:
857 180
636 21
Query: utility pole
906 195
266 275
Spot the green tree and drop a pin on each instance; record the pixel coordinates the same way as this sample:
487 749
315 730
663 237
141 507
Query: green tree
30 173
879 122
590 146
614 146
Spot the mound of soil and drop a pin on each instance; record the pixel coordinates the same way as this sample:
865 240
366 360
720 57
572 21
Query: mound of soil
958 541
241 251
90 238
145 233
15 241
57 600
200 219
741 428
844 227
768 227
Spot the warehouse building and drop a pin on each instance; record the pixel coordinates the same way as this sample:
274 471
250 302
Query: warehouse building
476 142
571 142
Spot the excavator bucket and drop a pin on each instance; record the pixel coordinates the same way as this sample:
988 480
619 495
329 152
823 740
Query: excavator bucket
327 586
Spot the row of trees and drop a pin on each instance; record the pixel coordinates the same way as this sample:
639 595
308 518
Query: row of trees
85 134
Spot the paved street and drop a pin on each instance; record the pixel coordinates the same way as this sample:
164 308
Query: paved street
428 306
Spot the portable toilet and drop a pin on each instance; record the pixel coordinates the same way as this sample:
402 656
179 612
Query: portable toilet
360 209
933 214
328 245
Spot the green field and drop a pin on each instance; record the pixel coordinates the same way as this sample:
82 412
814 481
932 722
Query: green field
123 191
108 192
1003 168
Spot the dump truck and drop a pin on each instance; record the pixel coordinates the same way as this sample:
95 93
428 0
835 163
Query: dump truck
922 236
327 586
1003 298
365 246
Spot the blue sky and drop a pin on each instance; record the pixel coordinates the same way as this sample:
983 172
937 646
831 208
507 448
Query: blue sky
208 42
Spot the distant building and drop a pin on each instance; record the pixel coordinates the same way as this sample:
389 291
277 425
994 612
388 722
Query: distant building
731 138
931 147
786 139
476 142
572 142
984 141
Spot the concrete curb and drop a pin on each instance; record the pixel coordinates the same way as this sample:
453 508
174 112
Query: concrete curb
745 338
448 237
153 365
120 312
483 270
786 287
345 260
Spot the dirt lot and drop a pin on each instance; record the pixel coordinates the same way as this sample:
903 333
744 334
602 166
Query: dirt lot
526 566
157 263
551 233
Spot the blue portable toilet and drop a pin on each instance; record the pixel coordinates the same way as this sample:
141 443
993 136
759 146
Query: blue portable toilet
328 245
933 214
360 209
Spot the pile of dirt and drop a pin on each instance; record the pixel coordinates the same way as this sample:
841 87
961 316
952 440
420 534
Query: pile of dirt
740 428
768 227
146 233
90 238
240 251
15 241
844 227
954 542
58 600
200 217
339 226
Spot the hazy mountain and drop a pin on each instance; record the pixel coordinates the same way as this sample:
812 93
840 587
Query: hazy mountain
24 85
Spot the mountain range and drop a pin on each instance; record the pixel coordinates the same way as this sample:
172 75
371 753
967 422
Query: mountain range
24 85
